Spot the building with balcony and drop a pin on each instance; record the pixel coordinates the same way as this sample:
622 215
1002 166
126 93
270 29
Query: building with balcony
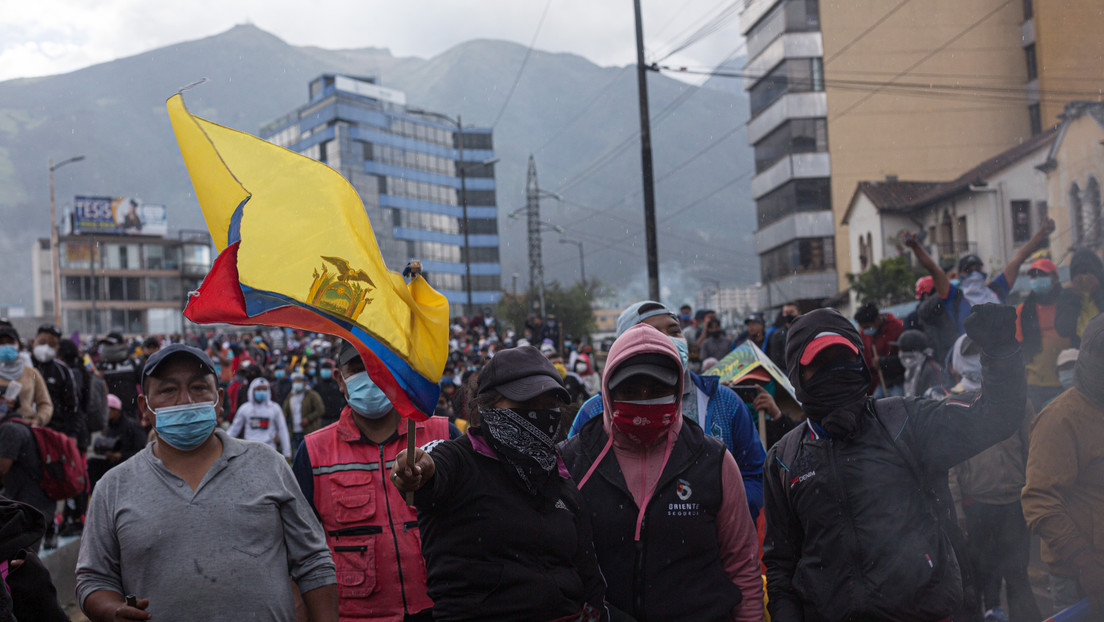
794 237
132 284
406 166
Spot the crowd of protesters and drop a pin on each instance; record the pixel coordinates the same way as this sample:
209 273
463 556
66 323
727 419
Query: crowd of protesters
262 474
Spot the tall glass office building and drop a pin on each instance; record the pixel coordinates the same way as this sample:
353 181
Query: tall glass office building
406 167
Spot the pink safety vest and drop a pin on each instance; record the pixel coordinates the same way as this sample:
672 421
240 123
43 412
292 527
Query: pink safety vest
371 531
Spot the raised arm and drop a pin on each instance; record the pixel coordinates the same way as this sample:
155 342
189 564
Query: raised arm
939 277
1012 270
949 432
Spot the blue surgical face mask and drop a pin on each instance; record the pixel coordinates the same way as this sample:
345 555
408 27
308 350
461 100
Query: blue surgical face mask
186 426
683 350
365 398
326 373
298 386
280 374
1040 285
871 331
257 340
260 395
1065 376
956 282
8 353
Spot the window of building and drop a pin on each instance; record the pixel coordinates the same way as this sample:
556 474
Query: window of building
794 75
793 136
486 282
482 226
1036 119
1021 221
481 197
796 257
1032 67
1077 216
1094 232
478 140
483 254
797 195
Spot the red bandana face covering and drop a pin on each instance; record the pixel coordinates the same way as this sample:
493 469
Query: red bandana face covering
647 420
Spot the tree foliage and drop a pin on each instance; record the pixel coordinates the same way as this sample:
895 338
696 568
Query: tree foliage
572 306
893 281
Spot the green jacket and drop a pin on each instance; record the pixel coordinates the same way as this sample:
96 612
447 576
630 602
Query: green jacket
311 409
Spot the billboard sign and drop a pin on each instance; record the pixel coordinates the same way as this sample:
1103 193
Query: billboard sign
118 215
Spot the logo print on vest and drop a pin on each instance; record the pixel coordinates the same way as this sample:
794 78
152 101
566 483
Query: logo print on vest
683 490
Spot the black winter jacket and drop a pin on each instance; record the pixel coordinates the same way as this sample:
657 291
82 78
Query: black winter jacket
495 552
858 528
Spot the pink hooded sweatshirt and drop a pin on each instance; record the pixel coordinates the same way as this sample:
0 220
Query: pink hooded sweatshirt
642 466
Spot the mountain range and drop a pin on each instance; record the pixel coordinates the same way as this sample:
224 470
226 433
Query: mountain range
579 120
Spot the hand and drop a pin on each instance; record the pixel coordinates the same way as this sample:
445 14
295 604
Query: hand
137 612
114 456
993 327
407 478
764 402
909 239
1045 229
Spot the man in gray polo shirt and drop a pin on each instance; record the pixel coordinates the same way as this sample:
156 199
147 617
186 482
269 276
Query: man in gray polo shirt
198 525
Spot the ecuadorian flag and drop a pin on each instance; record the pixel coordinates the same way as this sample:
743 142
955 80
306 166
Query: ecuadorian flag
296 249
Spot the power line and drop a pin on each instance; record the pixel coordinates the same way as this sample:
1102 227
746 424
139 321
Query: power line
583 110
524 61
710 27
862 34
926 57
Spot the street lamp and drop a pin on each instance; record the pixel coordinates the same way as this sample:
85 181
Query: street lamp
55 258
582 264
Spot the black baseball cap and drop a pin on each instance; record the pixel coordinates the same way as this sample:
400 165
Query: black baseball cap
346 353
520 374
177 348
969 261
656 366
7 330
49 329
755 317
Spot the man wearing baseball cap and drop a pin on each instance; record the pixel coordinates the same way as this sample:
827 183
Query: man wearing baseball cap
859 524
1036 330
199 525
706 402
342 472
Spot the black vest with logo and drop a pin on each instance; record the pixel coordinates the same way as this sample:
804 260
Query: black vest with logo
675 571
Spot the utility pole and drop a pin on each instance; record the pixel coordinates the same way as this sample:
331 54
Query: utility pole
533 221
54 252
651 246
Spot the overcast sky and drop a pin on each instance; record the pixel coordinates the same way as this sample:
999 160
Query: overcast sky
48 37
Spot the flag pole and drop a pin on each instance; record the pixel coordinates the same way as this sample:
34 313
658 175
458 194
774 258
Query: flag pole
415 271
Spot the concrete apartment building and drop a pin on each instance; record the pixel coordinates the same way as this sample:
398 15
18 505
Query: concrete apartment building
405 164
906 90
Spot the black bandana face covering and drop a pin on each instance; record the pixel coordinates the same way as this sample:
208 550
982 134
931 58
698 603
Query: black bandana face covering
524 440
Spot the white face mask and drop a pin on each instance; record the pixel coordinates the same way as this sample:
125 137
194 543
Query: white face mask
44 353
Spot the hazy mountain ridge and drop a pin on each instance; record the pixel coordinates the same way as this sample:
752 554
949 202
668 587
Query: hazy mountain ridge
114 114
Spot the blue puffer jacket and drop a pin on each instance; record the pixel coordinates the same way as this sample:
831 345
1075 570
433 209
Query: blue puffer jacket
728 419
